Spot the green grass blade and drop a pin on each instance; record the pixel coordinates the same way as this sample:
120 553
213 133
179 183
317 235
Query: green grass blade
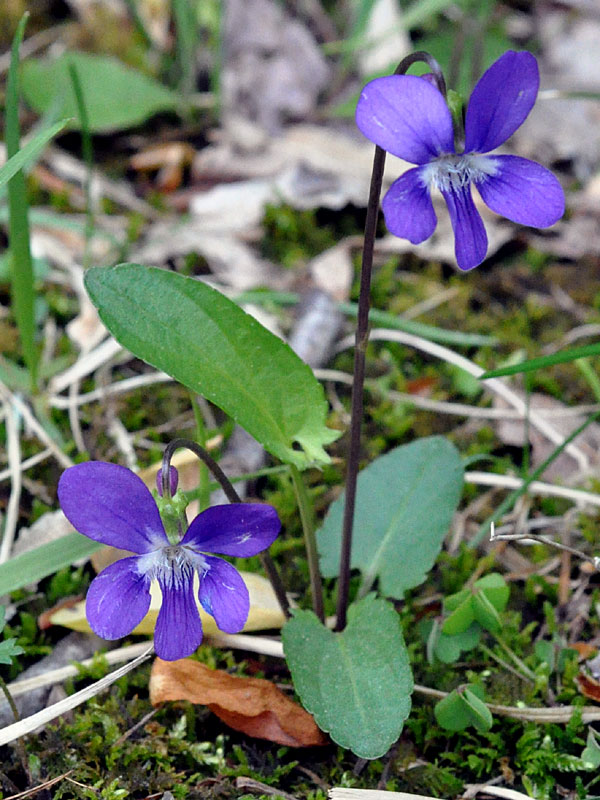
88 158
29 152
544 361
36 564
22 285
428 332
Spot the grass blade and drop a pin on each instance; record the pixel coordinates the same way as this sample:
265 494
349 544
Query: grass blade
545 361
22 286
36 564
30 151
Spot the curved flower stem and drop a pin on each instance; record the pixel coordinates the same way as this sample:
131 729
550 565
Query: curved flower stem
361 341
233 497
310 541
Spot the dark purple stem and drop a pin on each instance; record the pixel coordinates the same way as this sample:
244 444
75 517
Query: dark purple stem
362 339
233 497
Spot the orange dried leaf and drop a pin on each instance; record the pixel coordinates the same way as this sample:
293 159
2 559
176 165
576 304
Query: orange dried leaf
588 686
45 618
251 705
584 649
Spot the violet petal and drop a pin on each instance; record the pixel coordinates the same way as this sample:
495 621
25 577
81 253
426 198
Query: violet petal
470 238
408 209
110 504
524 192
501 100
237 529
118 599
406 116
223 595
178 627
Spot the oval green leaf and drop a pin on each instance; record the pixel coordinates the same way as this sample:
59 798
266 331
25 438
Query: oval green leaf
356 683
405 503
209 344
461 618
116 96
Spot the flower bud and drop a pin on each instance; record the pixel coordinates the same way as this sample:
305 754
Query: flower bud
173 481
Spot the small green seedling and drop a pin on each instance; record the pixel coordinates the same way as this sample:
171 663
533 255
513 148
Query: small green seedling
463 707
482 603
8 648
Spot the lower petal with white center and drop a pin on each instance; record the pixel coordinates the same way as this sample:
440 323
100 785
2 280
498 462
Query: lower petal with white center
224 595
523 191
178 627
408 209
118 599
470 238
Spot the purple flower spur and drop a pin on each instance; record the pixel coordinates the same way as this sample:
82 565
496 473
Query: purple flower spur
408 117
110 504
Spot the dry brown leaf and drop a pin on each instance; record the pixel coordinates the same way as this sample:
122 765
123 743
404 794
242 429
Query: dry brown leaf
588 686
251 705
584 649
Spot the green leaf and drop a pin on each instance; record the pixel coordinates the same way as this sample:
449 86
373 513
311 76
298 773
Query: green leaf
591 752
116 96
453 601
36 564
8 649
405 503
452 712
495 589
485 613
448 648
461 618
30 151
563 356
463 707
356 683
209 344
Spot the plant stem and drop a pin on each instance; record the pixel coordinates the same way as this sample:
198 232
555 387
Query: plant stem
310 541
19 743
361 341
515 658
203 473
504 664
233 497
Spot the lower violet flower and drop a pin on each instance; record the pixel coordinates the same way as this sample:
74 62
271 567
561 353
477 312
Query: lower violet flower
112 505
408 117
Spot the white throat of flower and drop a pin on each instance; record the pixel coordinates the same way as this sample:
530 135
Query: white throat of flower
174 565
451 172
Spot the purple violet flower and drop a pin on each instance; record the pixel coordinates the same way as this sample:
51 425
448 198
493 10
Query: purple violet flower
408 117
112 505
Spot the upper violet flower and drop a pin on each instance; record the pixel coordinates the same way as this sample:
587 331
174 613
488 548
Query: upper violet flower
112 505
408 117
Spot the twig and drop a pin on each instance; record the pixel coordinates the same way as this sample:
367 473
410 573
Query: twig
537 487
32 461
39 788
8 397
24 726
14 463
495 385
535 538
